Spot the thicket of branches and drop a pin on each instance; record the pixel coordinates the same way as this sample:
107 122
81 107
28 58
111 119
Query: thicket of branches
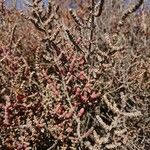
75 78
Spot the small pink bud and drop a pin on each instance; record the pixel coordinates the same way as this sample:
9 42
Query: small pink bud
81 112
69 114
78 40
78 90
94 95
20 97
82 75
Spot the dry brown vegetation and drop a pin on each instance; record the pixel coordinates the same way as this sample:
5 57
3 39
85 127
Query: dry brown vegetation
75 78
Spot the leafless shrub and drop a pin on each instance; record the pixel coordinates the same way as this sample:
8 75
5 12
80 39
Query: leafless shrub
79 82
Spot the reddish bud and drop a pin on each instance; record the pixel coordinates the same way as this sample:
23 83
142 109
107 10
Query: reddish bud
69 114
82 75
20 97
81 112
78 40
78 91
94 95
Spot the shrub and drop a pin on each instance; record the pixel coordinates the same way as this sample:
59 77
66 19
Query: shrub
76 78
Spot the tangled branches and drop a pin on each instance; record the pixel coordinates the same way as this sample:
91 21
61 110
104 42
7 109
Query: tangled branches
71 83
